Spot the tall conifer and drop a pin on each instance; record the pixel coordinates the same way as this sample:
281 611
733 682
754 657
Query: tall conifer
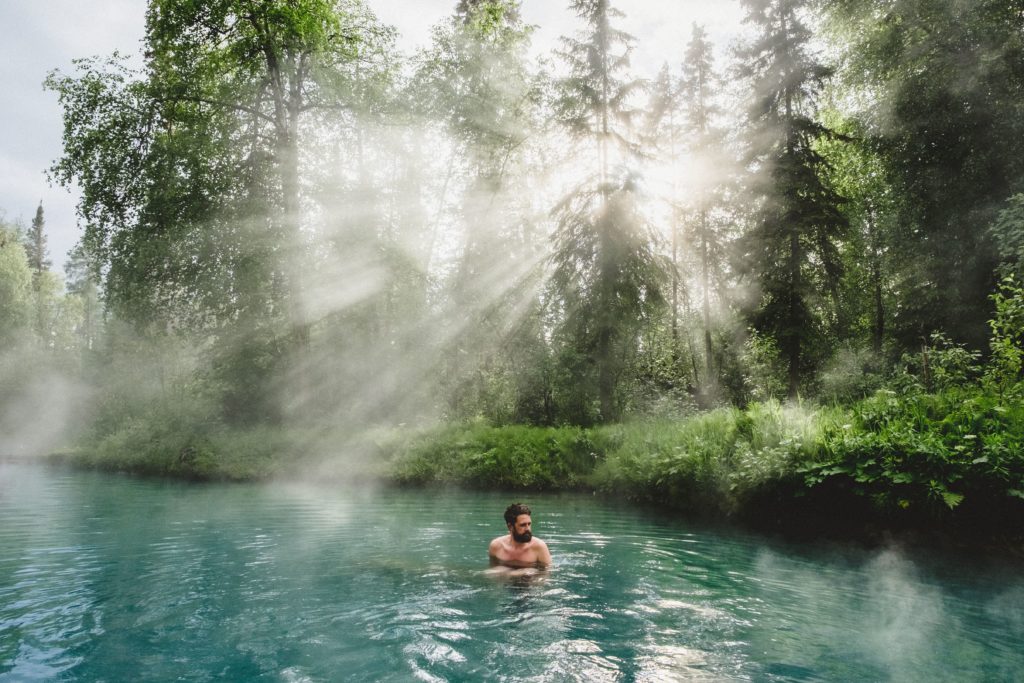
791 249
606 276
35 245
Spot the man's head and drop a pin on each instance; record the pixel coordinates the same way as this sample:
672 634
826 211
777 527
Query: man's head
519 522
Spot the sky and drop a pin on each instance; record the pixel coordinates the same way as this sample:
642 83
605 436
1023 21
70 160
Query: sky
38 36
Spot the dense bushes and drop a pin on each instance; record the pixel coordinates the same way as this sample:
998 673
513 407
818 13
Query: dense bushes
918 457
928 454
512 457
908 456
711 462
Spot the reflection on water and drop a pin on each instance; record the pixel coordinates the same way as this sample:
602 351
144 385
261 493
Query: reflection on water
109 578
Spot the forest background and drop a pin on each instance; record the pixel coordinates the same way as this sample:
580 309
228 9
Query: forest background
787 279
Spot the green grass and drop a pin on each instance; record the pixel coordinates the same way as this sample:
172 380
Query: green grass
712 462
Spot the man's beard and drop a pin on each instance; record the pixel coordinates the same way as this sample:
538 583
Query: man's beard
524 537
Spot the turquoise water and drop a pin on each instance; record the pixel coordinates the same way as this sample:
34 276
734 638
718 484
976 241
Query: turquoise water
107 578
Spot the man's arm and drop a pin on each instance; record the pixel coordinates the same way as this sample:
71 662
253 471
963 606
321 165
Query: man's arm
543 554
492 549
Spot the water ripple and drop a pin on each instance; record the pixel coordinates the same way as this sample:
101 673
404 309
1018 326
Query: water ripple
109 578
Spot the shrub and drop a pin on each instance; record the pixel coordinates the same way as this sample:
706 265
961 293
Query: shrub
928 453
510 457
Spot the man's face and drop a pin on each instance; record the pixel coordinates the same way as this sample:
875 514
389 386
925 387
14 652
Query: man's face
522 530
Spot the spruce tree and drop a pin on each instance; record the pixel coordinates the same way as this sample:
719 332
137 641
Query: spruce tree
707 151
606 276
35 245
475 82
44 284
791 249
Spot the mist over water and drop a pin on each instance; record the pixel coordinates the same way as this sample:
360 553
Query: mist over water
45 411
106 577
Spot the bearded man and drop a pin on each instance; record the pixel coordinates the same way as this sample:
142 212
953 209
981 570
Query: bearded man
519 548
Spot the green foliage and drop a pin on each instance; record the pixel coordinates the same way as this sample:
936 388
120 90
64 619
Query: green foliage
1008 234
15 289
791 251
927 453
174 444
713 462
764 370
513 457
851 374
938 85
1006 364
939 365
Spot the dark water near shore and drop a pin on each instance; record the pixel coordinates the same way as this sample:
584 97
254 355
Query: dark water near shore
107 578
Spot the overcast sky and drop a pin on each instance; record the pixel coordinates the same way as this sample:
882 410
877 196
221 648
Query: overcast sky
38 36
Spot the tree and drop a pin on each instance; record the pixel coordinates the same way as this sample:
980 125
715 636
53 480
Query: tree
708 154
192 173
1008 234
268 65
858 173
940 88
45 287
82 277
607 280
791 250
35 244
15 289
475 83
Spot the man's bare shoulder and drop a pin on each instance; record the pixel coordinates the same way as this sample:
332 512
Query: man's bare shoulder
543 554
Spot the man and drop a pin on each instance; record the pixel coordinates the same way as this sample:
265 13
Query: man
519 548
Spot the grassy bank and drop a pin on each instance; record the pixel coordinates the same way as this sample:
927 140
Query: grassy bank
711 462
949 458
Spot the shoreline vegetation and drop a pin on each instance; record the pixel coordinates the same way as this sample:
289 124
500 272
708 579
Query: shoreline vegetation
950 462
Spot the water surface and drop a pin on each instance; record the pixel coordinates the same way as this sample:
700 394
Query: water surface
108 578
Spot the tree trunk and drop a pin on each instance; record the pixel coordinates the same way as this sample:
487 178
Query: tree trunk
791 336
706 304
878 326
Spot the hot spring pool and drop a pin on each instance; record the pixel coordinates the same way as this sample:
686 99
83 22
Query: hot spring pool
108 578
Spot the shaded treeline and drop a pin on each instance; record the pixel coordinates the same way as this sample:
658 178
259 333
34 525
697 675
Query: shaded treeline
290 222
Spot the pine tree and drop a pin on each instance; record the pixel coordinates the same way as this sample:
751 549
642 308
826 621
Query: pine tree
791 250
606 276
45 286
475 82
663 135
706 150
35 245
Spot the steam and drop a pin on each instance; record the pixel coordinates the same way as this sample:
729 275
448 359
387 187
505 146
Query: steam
891 614
42 409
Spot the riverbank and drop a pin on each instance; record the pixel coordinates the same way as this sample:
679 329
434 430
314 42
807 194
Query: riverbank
952 461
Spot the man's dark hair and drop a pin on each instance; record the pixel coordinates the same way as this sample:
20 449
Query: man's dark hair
514 510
